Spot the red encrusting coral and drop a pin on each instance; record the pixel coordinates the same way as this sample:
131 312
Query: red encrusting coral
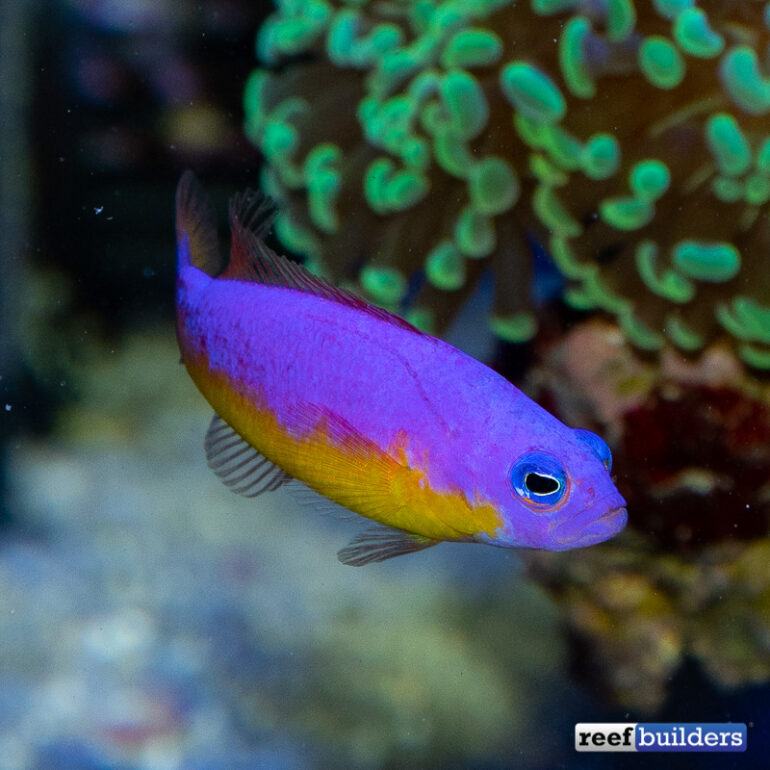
694 463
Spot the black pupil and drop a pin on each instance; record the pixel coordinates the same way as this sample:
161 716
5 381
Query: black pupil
540 485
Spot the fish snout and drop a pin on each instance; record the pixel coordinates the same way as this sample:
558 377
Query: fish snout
594 531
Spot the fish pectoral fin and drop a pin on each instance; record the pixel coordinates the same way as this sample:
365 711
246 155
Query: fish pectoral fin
379 543
311 500
241 467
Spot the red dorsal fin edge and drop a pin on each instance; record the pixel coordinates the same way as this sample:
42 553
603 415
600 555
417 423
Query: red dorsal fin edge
251 215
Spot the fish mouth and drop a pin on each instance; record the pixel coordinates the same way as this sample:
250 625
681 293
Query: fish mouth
596 531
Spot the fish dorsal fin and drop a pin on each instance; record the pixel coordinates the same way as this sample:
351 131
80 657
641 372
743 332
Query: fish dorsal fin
251 259
196 232
379 543
253 211
238 464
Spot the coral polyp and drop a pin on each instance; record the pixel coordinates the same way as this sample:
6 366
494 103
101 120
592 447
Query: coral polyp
412 145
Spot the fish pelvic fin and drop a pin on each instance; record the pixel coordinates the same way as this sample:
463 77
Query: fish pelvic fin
251 259
196 232
380 543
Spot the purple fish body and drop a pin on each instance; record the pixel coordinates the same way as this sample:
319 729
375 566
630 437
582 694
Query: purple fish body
312 383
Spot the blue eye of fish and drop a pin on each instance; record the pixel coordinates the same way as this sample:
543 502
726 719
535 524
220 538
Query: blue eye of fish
539 479
598 446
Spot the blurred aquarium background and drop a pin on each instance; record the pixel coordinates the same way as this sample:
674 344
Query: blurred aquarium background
576 192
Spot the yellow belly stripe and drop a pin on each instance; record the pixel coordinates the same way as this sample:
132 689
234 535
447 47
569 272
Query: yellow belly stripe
350 469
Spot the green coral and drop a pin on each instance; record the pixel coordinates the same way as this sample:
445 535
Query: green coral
445 267
386 284
438 136
743 80
532 93
574 68
707 261
492 185
694 35
661 62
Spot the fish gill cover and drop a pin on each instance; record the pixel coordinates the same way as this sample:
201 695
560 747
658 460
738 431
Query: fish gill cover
431 139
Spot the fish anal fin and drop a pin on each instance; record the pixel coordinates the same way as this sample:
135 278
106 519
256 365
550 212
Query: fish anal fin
381 543
196 232
241 467
251 259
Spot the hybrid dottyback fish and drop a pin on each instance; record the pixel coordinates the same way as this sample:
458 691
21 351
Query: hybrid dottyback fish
310 382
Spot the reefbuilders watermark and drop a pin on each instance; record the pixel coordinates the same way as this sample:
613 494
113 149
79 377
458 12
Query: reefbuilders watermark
660 736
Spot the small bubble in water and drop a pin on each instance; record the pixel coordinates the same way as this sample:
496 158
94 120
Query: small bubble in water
8 407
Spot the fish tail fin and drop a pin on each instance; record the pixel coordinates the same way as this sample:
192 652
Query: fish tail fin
196 232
